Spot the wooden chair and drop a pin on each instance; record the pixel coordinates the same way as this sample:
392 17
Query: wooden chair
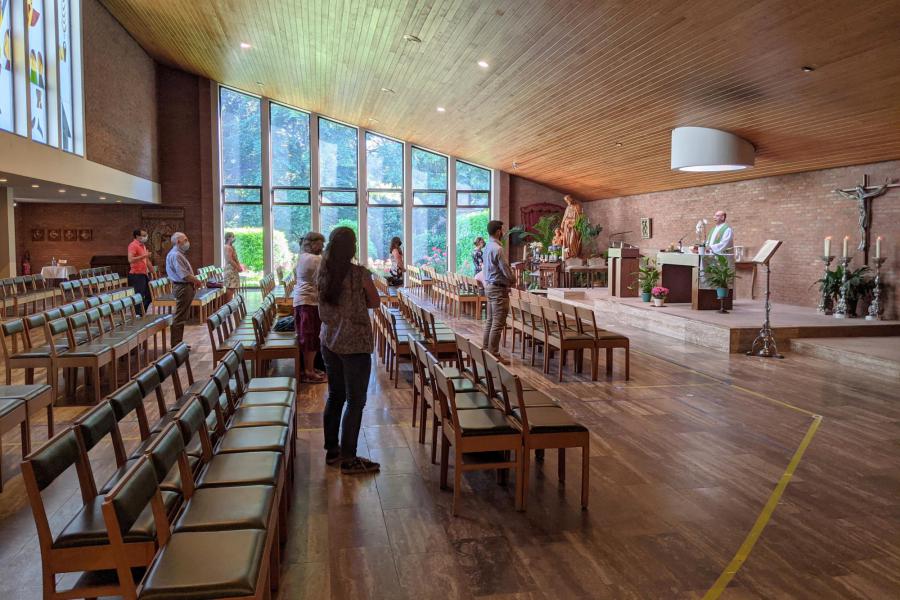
83 544
473 431
13 412
557 335
602 338
546 427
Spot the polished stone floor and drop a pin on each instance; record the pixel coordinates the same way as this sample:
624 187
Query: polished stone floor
684 458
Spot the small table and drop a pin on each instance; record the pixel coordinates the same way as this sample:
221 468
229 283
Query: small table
60 272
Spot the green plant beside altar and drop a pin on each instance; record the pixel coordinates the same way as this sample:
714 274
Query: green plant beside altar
860 283
542 233
589 234
719 274
647 278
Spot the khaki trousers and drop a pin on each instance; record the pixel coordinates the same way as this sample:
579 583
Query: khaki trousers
498 308
184 295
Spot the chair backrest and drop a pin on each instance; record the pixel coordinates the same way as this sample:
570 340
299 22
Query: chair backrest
167 450
492 377
512 392
192 423
93 426
167 367
182 355
67 310
93 301
446 393
476 352
52 330
129 399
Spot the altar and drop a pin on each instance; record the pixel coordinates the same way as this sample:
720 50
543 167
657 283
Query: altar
681 272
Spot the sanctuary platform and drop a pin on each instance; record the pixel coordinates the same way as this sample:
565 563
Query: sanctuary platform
732 332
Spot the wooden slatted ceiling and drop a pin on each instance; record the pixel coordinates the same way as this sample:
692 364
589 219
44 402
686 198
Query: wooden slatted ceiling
568 79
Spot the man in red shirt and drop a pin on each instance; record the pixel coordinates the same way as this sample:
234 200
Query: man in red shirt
139 259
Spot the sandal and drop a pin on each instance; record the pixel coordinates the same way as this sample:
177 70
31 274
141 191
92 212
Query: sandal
316 378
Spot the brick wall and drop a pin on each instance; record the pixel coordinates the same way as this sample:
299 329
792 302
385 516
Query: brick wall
119 96
185 161
799 209
112 228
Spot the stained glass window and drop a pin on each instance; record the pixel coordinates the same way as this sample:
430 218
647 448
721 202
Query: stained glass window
65 56
37 69
7 120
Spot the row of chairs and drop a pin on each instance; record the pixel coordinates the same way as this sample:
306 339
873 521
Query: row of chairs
93 271
481 406
19 405
553 325
76 289
87 334
25 293
199 505
255 334
418 279
386 293
396 328
205 299
456 294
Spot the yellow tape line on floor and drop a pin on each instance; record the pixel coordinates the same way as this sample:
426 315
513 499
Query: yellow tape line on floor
763 519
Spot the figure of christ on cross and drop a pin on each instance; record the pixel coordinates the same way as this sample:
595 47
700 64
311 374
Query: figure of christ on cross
863 195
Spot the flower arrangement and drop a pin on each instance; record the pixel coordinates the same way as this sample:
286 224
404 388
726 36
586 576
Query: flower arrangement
660 292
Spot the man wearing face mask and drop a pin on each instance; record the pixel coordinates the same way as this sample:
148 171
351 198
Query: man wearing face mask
139 259
180 273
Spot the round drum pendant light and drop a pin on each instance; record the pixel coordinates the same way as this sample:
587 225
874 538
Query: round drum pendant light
700 149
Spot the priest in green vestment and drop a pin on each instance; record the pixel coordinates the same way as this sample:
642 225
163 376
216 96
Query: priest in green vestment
721 237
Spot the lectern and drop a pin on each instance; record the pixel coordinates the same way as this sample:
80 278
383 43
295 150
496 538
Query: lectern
623 264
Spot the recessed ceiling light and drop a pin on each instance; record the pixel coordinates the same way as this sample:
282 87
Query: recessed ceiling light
83 195
412 38
483 64
515 165
259 83
371 120
61 191
441 109
3 180
387 90
103 197
807 69
618 144
34 185
245 46
118 202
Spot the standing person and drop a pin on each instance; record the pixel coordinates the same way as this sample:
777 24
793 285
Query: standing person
498 276
139 271
183 281
478 255
306 303
395 276
346 292
232 267
26 263
721 237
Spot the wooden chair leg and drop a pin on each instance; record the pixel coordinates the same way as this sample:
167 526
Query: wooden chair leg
561 464
445 457
457 480
609 361
595 363
95 377
627 363
585 475
562 361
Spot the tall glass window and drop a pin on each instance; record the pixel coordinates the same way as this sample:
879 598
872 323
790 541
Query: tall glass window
473 211
37 71
241 135
64 54
429 211
291 212
338 172
7 99
384 182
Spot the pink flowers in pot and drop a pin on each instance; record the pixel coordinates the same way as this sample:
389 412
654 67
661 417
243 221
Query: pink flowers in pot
659 292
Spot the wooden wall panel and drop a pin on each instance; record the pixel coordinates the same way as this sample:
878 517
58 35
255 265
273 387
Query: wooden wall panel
581 94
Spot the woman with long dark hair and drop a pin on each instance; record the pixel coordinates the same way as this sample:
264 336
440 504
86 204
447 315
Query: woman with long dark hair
395 276
346 293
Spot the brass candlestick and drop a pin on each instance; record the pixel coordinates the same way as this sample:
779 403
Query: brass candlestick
875 307
841 311
825 301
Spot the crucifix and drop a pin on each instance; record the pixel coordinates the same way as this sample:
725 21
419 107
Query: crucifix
863 195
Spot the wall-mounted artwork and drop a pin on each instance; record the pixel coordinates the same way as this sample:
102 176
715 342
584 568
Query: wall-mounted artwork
85 235
160 224
70 235
38 235
646 228
54 235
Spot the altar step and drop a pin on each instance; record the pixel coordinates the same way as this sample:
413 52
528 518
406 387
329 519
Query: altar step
879 355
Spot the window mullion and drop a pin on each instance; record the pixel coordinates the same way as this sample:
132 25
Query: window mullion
451 214
314 189
266 159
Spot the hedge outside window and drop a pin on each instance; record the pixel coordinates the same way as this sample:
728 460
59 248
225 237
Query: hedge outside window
245 221
384 180
291 219
291 212
473 202
429 212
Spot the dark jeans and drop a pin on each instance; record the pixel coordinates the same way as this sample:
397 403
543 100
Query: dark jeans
141 284
184 295
348 382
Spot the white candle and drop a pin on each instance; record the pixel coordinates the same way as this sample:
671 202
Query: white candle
878 247
827 246
846 240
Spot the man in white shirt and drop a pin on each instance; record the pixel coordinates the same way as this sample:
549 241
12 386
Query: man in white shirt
721 237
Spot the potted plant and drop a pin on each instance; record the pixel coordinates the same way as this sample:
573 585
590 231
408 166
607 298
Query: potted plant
659 294
647 278
720 274
830 288
543 232
588 232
